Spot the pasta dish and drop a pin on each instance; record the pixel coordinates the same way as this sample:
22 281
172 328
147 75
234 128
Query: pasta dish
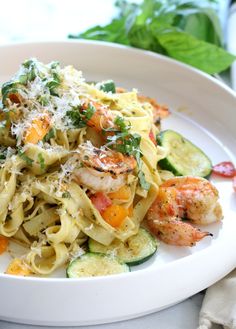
79 163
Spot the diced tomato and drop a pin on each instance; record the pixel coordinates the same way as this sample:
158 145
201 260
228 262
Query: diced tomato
234 183
100 201
224 169
152 137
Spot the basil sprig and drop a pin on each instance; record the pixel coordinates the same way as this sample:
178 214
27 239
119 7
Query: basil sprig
127 143
186 30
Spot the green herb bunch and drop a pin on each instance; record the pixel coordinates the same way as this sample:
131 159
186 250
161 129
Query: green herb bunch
186 30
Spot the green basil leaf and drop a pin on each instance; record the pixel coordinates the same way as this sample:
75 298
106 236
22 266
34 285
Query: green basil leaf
113 32
49 135
200 54
108 86
176 28
142 180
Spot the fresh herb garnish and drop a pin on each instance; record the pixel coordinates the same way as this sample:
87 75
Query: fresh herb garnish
53 83
186 30
41 161
66 195
23 78
120 122
17 85
142 180
108 86
79 116
49 135
8 88
44 100
3 154
128 143
23 156
54 64
32 70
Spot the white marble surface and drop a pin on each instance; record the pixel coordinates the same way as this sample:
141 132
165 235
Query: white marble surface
54 20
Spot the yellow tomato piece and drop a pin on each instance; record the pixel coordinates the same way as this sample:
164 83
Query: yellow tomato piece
3 244
123 193
115 214
38 129
18 267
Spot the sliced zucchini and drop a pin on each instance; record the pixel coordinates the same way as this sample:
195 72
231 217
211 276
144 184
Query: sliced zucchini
134 251
95 264
184 158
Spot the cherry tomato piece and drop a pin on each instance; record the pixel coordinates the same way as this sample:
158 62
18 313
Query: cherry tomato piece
224 169
100 201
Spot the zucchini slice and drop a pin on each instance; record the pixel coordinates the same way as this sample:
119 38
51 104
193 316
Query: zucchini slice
184 158
134 251
95 264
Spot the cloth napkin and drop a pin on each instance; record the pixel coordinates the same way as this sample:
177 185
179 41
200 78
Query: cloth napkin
219 304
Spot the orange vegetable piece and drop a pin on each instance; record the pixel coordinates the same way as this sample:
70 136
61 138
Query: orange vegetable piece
115 214
18 267
123 193
39 128
3 244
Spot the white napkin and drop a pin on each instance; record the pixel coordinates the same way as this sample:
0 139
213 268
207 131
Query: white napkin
219 304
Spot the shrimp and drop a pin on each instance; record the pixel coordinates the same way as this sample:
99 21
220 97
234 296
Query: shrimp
102 169
194 198
100 118
159 111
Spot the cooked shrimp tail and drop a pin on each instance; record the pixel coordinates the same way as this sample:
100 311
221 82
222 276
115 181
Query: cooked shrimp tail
176 232
194 198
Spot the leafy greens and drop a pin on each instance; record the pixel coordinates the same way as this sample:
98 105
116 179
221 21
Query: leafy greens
186 30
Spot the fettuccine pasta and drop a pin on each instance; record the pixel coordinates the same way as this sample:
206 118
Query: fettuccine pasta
78 160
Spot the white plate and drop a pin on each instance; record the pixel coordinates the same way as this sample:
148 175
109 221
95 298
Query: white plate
204 111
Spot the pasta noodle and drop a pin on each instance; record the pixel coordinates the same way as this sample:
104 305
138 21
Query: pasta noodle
65 146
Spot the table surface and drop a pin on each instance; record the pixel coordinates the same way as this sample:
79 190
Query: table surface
74 16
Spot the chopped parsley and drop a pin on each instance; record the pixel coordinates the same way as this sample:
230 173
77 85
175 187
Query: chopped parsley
41 161
23 156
